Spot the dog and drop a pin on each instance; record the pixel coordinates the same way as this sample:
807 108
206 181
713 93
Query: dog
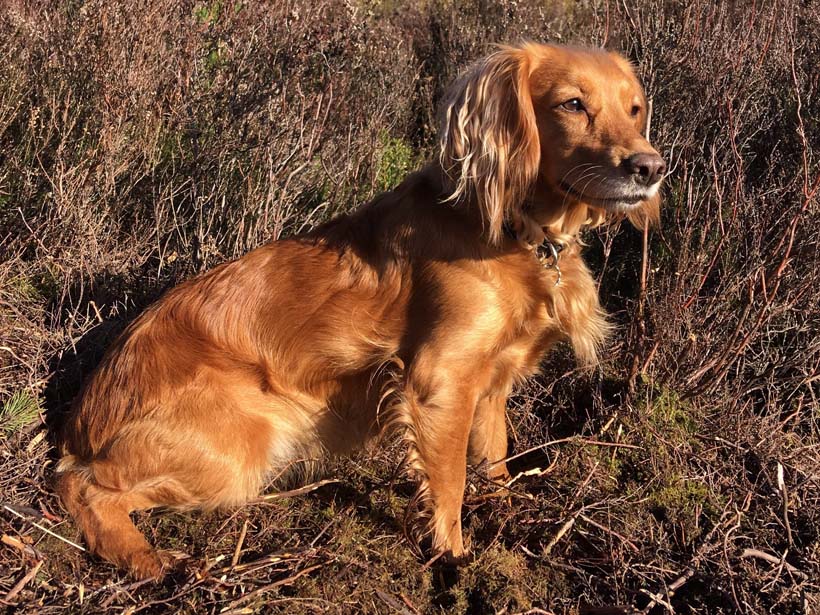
420 310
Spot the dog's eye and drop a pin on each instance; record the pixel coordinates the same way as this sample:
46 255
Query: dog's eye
574 105
635 110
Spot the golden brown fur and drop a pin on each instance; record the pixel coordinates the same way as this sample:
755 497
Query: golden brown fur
417 310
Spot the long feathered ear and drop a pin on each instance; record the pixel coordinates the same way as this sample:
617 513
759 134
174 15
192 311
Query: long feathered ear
489 138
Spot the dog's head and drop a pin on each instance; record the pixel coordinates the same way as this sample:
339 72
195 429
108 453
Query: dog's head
549 138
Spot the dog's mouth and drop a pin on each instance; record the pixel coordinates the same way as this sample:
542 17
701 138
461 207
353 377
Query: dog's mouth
616 202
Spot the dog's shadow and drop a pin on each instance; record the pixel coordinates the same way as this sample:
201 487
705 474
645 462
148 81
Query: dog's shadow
113 301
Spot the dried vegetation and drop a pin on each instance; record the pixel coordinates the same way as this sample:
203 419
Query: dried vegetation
141 143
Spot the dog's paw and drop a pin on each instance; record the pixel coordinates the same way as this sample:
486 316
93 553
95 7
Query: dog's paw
496 472
146 564
449 558
155 564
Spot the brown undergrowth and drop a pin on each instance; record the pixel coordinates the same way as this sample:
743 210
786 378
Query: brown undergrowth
140 144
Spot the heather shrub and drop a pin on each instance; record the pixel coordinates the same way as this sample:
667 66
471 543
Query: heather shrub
142 144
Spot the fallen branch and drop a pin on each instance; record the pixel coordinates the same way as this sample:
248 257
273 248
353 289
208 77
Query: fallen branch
22 582
238 550
502 489
773 559
663 597
578 439
294 492
267 560
559 534
43 529
266 588
707 546
620 537
392 602
28 550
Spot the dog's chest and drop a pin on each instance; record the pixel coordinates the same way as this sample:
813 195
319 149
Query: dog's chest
529 329
549 311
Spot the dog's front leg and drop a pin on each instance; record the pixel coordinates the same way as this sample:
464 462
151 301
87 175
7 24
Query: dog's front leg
440 432
488 436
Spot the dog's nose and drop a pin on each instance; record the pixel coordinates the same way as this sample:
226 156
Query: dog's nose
647 169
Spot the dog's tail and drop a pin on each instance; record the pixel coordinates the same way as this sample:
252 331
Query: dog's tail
101 513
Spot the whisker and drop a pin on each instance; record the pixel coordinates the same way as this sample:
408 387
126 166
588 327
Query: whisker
595 176
584 175
575 168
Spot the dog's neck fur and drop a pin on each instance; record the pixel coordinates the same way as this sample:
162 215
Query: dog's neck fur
561 216
549 215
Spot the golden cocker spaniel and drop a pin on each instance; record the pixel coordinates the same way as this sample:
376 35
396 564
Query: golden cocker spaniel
282 354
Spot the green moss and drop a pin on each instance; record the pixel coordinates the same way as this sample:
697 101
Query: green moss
38 287
682 502
682 495
668 414
215 59
396 160
24 288
208 12
492 580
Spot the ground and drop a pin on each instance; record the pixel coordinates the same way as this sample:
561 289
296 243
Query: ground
141 146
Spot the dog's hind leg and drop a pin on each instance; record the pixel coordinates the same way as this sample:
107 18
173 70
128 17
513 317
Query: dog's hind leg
102 516
208 453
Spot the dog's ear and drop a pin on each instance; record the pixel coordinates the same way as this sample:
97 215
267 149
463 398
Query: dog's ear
489 138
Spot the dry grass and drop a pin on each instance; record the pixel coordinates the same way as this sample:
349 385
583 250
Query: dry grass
139 146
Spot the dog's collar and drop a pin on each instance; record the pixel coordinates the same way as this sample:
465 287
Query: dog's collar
548 252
